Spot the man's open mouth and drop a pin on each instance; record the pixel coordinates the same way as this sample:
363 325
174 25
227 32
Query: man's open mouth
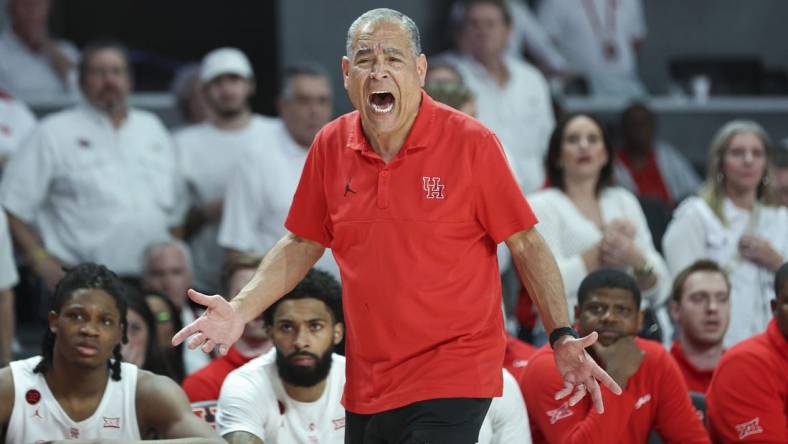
382 102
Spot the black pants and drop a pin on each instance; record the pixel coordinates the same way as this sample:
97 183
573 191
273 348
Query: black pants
434 421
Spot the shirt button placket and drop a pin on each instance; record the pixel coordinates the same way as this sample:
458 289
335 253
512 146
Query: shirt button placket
383 189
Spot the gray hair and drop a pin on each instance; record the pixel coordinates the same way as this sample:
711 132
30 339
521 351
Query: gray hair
154 249
385 15
301 69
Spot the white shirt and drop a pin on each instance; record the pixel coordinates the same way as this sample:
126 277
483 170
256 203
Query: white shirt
30 76
207 156
519 112
95 193
507 419
37 416
527 32
16 121
8 274
259 195
253 400
697 233
582 29
195 359
569 234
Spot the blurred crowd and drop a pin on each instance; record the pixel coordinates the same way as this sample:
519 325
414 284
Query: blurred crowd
698 253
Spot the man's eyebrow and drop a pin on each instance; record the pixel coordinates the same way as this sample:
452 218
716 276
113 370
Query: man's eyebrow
362 52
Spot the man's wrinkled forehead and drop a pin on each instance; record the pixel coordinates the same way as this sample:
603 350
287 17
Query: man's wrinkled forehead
385 37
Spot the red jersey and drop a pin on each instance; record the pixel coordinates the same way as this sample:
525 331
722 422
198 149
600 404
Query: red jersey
415 240
206 383
656 398
648 177
748 397
697 380
517 355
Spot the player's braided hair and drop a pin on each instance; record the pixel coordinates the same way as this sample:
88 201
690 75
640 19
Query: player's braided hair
86 276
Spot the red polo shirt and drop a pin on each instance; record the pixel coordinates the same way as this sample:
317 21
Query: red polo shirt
517 355
415 240
697 380
656 398
748 397
206 383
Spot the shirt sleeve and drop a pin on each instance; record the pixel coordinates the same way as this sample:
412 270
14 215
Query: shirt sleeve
240 211
549 15
241 407
744 403
560 423
676 419
636 20
8 274
501 207
508 415
684 241
28 175
308 216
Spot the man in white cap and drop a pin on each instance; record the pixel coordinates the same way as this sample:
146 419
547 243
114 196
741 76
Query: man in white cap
261 189
208 152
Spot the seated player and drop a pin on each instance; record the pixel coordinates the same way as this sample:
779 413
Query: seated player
292 393
655 396
748 396
79 389
700 307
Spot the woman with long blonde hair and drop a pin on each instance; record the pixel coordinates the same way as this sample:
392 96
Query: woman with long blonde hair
734 221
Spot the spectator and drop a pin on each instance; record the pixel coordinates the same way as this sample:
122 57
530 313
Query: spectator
142 348
512 97
588 222
655 396
700 307
8 278
33 65
600 40
209 153
205 384
453 94
97 182
732 222
189 98
79 388
528 36
259 193
292 393
748 397
442 71
507 420
168 270
649 167
16 121
167 322
781 171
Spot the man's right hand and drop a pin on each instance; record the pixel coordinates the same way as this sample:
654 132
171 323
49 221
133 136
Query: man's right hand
220 326
621 359
50 270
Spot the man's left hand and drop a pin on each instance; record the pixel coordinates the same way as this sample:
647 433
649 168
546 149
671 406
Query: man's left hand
580 372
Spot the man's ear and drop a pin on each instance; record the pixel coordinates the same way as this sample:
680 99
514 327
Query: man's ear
577 312
421 68
345 64
52 318
339 332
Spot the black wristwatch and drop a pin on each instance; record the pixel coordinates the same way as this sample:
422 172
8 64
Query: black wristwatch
560 332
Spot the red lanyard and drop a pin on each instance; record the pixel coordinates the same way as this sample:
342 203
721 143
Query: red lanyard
596 22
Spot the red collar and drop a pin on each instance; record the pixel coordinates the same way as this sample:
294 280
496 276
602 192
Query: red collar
777 340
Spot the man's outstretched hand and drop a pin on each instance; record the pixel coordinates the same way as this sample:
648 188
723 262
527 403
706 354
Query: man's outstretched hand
220 326
581 372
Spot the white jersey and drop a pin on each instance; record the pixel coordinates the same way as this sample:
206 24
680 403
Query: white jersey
37 416
253 400
507 419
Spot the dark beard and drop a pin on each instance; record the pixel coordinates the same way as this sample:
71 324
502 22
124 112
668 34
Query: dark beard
303 376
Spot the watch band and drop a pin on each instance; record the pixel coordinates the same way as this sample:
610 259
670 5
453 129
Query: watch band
560 332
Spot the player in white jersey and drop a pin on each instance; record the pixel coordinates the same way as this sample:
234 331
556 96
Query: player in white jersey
292 394
79 390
